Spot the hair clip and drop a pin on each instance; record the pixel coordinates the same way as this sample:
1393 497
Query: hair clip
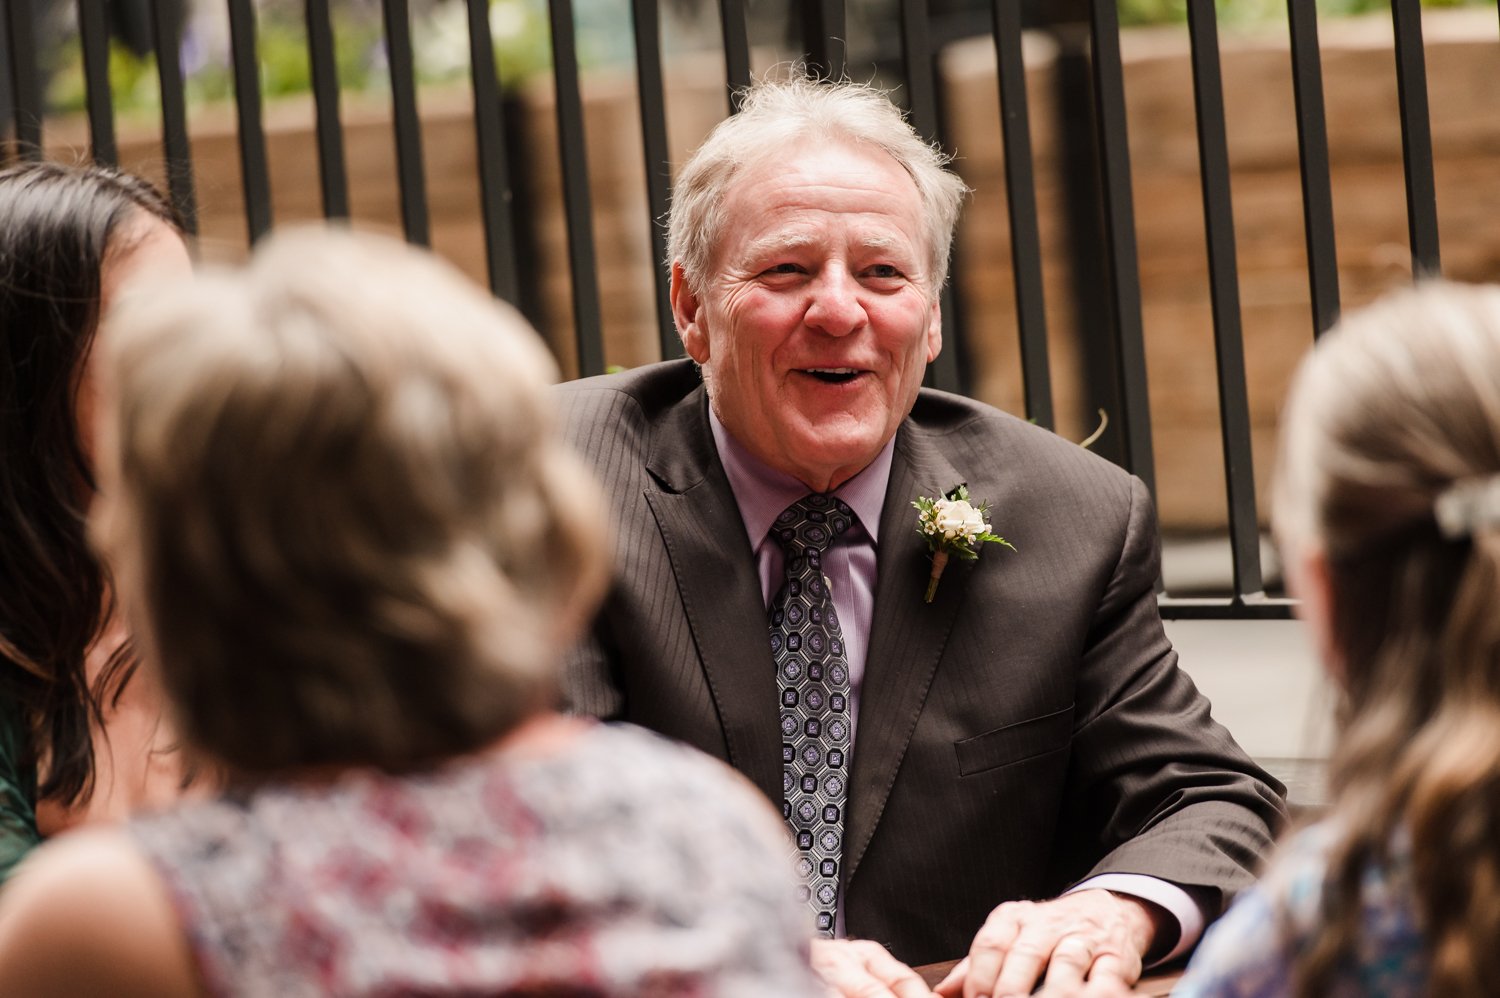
1467 507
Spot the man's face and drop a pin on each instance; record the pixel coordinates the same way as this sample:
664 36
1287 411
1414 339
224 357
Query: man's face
818 315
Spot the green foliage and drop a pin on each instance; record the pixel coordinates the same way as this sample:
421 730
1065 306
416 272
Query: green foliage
1346 7
440 41
1258 11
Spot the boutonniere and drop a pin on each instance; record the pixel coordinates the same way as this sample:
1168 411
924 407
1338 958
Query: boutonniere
953 524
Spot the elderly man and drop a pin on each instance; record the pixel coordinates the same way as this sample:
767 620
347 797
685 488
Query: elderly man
1027 733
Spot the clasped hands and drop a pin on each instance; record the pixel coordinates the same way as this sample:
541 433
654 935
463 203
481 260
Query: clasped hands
1087 943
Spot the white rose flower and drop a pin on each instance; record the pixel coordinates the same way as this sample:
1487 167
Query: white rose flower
974 524
953 526
941 517
957 518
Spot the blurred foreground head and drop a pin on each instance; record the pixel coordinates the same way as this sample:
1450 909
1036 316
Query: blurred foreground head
1393 420
1387 508
344 531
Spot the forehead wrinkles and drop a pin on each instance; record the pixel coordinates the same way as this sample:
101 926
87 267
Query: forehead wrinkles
809 197
863 201
803 239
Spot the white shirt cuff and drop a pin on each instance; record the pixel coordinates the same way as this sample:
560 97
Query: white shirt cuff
1173 899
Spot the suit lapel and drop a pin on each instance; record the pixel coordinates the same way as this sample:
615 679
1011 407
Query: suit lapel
714 566
907 637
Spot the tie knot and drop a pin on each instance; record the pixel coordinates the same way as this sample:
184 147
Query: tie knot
811 524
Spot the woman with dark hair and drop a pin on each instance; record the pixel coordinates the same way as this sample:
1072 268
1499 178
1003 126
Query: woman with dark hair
70 239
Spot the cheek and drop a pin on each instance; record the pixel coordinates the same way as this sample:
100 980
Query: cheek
765 315
86 408
101 526
745 344
910 352
905 322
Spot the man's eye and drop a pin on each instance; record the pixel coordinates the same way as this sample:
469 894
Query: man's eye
783 268
883 270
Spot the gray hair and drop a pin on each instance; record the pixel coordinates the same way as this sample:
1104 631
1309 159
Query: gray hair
343 524
774 114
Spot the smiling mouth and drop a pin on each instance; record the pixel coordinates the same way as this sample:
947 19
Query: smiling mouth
833 375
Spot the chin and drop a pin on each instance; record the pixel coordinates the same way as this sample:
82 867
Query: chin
852 455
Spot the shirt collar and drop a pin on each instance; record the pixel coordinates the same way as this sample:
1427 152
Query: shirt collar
762 492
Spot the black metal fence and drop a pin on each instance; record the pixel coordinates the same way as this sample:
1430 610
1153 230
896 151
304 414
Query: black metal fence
818 27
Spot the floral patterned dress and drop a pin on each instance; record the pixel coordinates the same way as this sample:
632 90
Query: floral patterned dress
621 865
1251 951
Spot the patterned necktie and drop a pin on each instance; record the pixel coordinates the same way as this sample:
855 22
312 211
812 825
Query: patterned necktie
813 676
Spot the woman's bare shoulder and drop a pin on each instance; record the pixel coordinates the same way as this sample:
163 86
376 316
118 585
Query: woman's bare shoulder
88 915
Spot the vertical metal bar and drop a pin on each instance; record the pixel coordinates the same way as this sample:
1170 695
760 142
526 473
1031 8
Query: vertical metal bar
1416 138
652 95
7 91
1229 346
576 201
916 50
333 176
1020 196
1312 148
174 133
93 36
26 89
528 215
947 371
736 49
254 174
1091 324
921 88
408 127
495 193
824 36
1119 226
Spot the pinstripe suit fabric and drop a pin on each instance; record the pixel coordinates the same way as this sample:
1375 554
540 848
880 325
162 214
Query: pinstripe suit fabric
1026 730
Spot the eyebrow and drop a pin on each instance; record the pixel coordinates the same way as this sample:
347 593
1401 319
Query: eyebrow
880 243
792 242
779 243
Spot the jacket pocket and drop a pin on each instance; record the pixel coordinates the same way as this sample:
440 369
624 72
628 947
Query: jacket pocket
1015 742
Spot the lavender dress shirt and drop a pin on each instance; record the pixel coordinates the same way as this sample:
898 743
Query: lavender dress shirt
850 567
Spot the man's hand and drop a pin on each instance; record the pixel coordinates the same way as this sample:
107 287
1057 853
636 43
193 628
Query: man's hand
1088 943
858 968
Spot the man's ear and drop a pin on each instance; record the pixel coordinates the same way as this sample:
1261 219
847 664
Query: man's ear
935 330
687 313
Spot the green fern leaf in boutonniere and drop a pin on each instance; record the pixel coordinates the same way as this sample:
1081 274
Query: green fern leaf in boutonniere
953 526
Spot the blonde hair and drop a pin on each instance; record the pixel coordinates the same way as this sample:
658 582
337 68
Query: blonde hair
1393 410
354 538
777 114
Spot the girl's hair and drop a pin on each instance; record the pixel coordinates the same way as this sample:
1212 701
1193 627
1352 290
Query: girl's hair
58 226
1395 414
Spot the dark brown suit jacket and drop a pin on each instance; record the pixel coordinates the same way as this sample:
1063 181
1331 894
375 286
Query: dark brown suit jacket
1027 729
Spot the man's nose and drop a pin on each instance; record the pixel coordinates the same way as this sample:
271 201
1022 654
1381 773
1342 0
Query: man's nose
835 308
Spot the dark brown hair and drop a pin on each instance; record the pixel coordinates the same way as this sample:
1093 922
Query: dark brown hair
58 225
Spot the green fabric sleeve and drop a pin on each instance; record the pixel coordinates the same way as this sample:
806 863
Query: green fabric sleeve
18 834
